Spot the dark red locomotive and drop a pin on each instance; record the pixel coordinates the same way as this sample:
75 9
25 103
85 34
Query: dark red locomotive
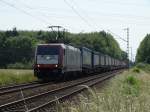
54 61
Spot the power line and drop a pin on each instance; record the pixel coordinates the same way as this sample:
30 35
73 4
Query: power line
117 35
136 4
43 14
27 13
75 11
23 11
108 30
84 13
110 14
113 14
120 14
27 6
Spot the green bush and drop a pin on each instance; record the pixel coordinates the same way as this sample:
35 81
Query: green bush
131 86
143 66
136 70
18 65
131 80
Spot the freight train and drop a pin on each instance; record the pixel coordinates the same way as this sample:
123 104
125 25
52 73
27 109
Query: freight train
57 60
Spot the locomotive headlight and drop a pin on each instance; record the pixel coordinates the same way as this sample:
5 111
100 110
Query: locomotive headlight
38 65
56 65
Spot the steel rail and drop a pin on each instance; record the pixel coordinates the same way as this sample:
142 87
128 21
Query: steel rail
16 88
91 83
29 99
15 85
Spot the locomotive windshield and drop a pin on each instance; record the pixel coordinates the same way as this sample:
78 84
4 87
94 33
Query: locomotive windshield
47 50
47 55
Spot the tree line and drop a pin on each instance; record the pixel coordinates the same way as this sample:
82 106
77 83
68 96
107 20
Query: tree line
17 47
143 53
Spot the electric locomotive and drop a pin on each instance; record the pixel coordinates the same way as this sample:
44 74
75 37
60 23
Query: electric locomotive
56 61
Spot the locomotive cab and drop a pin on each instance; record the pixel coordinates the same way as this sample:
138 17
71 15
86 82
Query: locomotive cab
48 61
48 55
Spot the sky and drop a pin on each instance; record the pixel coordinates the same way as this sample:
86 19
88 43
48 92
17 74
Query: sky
76 16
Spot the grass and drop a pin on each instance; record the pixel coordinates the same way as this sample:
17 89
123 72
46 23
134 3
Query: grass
143 66
17 65
136 70
12 76
128 92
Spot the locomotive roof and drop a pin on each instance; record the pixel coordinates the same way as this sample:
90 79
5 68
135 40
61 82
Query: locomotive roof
51 44
59 44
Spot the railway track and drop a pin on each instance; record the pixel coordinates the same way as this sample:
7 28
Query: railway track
42 102
11 93
11 88
16 88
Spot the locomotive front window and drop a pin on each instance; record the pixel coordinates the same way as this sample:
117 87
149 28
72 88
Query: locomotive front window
47 50
47 55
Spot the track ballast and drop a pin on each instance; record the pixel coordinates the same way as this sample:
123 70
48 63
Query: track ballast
43 101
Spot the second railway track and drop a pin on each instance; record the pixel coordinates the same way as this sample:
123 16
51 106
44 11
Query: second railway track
11 93
41 101
15 88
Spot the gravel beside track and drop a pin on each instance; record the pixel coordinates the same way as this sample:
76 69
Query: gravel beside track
52 93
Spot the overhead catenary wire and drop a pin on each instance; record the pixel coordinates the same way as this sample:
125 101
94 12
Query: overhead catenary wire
117 35
44 21
42 13
113 32
127 41
125 3
25 12
70 0
108 30
76 12
87 16
31 8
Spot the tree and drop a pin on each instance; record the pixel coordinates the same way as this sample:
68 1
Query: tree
19 49
12 33
18 46
143 53
98 41
2 40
